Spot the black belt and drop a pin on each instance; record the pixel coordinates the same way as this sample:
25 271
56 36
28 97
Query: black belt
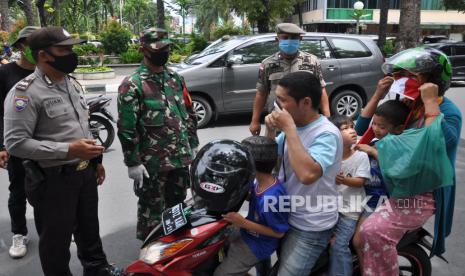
76 167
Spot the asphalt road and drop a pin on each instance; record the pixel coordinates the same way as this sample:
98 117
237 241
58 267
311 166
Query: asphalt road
117 209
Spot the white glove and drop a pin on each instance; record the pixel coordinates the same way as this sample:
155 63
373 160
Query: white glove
137 173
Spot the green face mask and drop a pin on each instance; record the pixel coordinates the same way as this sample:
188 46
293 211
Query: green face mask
28 55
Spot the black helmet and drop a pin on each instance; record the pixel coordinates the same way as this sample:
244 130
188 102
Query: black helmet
423 60
221 174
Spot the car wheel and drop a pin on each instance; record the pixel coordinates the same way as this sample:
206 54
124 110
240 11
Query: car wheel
347 102
203 111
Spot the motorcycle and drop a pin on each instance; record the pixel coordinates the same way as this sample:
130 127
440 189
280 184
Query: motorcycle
100 120
191 238
191 242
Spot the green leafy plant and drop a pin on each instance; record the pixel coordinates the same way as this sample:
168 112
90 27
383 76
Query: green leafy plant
197 43
132 56
389 48
87 49
227 28
115 38
99 69
175 58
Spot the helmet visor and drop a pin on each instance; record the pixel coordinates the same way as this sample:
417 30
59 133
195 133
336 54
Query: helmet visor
415 60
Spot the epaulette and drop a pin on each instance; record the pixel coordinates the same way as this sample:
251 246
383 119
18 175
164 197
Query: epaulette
76 84
26 82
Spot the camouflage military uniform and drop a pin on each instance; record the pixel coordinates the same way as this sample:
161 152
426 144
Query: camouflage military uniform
273 68
157 129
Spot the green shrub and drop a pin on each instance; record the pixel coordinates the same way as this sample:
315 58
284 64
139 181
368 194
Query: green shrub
115 38
175 57
134 47
227 28
87 49
198 43
389 48
132 56
99 69
88 61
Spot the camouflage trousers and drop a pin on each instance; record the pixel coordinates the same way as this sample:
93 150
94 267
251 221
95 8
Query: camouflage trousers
161 191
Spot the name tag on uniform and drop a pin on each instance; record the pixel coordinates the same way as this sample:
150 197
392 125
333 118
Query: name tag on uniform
55 107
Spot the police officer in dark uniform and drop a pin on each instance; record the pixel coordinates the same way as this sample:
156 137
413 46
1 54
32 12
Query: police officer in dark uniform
46 120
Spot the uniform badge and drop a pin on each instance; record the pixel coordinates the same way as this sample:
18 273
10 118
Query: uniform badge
21 103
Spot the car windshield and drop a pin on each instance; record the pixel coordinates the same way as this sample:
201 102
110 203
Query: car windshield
214 49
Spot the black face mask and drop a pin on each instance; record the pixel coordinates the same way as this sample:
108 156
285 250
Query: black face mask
65 64
159 58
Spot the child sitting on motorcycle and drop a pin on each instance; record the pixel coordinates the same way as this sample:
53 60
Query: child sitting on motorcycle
260 232
355 170
388 118
381 231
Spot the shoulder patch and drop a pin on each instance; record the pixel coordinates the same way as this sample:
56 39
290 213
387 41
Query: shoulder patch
21 103
25 83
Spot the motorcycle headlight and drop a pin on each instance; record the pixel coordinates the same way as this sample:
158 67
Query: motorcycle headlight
157 251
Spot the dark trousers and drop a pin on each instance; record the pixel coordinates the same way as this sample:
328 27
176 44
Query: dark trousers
68 206
17 198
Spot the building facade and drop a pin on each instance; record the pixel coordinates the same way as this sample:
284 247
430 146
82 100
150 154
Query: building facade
336 16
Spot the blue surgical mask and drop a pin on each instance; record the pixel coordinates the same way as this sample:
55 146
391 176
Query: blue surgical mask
289 46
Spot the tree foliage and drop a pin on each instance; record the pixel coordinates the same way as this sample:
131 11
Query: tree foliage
454 5
115 38
264 13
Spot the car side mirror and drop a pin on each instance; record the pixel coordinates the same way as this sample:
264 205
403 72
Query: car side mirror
234 59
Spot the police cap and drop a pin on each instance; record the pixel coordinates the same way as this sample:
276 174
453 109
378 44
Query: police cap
288 28
51 36
155 38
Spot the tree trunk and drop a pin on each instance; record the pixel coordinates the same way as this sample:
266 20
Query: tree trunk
384 9
40 6
263 21
409 24
5 16
160 14
110 7
26 6
299 11
56 13
263 24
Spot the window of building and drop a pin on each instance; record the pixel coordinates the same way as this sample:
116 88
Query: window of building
432 5
349 48
375 4
317 47
309 5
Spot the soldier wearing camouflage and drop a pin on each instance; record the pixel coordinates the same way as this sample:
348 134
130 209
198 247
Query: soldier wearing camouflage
158 131
272 69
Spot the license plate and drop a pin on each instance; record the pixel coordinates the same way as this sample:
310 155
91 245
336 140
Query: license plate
173 219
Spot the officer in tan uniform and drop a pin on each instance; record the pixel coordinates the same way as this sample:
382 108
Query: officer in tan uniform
272 69
46 121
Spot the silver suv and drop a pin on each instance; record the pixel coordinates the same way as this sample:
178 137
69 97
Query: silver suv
222 78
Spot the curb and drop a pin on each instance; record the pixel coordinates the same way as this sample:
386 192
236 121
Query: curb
101 88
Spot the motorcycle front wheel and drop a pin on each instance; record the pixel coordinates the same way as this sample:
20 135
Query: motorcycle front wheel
102 130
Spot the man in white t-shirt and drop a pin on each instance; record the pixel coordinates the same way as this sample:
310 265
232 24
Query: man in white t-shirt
311 149
355 170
